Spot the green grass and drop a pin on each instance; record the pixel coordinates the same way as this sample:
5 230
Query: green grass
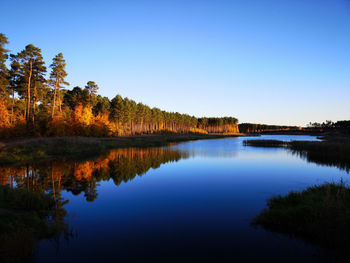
319 214
25 218
43 149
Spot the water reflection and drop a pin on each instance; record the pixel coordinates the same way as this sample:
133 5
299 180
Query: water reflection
120 165
228 148
324 158
193 210
332 154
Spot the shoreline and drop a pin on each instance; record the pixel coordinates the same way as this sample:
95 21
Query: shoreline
24 150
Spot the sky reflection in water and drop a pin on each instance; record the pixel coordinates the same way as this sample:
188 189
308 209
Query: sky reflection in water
196 206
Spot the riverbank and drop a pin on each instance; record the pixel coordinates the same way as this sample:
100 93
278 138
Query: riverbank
319 214
332 150
46 148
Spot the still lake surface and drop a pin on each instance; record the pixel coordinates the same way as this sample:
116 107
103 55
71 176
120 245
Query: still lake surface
189 202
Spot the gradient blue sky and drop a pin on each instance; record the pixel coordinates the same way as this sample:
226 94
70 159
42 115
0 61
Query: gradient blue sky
264 61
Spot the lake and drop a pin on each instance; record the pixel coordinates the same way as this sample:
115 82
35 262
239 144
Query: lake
189 202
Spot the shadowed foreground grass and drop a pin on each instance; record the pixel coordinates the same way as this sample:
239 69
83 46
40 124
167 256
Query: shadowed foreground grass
25 218
319 214
40 149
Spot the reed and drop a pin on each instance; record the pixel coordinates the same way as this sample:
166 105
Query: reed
319 214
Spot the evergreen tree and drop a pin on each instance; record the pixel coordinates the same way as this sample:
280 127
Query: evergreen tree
32 70
92 88
117 109
3 69
57 78
14 82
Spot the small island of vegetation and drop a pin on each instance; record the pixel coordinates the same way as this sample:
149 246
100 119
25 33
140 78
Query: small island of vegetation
319 214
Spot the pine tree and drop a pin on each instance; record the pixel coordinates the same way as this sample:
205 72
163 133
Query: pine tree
92 88
3 69
117 109
32 70
57 78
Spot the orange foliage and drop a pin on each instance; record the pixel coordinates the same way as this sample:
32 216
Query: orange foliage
58 126
198 131
4 118
81 120
102 126
5 176
83 115
83 171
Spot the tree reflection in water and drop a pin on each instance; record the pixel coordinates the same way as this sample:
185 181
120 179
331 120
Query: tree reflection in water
120 165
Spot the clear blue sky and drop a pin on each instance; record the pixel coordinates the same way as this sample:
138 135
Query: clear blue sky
264 61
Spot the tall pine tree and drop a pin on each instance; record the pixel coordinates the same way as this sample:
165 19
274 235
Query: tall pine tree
32 70
57 78
3 68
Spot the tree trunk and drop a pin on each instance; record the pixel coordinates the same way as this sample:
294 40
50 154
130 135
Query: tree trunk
13 104
34 103
59 99
54 99
28 93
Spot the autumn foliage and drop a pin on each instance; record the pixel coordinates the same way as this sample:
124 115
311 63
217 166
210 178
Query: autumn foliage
5 124
35 102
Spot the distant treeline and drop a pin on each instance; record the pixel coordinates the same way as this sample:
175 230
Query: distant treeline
341 126
32 103
257 128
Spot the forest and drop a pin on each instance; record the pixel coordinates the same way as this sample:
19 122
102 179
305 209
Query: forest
327 126
257 128
35 101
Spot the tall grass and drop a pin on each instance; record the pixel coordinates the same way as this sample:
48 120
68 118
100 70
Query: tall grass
331 152
319 214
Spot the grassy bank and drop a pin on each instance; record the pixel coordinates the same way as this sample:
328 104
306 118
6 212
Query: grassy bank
319 214
25 218
40 149
332 151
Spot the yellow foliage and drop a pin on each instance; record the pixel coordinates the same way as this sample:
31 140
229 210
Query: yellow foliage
83 115
5 115
4 118
197 130
102 126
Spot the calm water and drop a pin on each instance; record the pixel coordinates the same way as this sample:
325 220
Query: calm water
190 202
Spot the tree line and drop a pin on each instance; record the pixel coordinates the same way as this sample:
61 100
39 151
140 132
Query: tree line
340 126
257 128
35 101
